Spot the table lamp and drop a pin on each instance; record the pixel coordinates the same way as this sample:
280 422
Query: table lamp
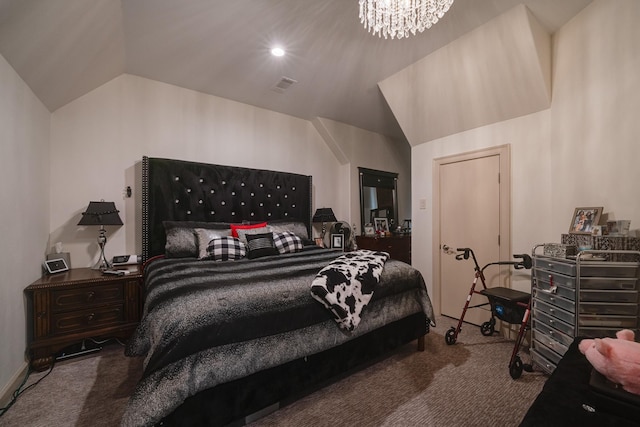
324 215
101 213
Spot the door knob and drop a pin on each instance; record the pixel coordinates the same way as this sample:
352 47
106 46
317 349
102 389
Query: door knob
447 250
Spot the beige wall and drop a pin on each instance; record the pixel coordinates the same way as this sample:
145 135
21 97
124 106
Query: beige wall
97 140
24 212
583 151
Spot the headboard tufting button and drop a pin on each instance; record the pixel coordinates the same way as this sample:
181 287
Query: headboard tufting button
213 212
201 180
188 190
293 188
200 202
213 191
223 203
241 203
177 178
223 182
177 201
261 185
233 193
278 187
188 212
242 184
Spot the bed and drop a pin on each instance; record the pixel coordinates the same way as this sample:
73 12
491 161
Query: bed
229 329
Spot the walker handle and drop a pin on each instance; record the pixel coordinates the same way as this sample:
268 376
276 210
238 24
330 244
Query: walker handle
525 263
464 255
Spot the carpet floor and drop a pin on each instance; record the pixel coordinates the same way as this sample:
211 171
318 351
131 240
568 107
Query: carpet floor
466 384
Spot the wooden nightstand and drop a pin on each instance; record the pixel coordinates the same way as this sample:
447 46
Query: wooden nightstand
66 308
398 247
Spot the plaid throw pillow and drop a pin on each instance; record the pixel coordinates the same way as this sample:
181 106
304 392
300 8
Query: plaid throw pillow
287 242
226 248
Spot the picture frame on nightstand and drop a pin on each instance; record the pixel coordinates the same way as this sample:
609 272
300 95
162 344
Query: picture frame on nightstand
337 241
56 265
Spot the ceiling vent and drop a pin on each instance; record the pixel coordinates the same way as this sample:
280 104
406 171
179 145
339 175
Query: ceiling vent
283 84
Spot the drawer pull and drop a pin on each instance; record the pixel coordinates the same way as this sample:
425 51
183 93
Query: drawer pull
91 317
90 295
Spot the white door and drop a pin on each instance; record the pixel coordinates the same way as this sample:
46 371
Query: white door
469 204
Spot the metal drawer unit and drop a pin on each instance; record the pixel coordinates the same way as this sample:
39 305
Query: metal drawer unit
589 295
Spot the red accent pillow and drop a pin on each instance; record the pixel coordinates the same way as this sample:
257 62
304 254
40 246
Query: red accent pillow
236 227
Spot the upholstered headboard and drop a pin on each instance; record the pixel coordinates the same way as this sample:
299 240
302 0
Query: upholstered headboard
176 190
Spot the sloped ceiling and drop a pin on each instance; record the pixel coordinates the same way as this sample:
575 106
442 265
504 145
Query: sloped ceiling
499 71
64 48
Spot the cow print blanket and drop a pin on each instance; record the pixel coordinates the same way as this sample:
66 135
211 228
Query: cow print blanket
346 285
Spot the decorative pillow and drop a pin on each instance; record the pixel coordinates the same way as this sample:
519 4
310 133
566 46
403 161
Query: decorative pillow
226 249
260 245
287 242
205 236
236 227
242 234
181 240
296 227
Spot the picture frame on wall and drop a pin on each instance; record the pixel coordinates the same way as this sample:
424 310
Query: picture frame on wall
337 241
381 225
584 220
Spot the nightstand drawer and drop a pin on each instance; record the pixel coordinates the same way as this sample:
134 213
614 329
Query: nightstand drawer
63 323
85 297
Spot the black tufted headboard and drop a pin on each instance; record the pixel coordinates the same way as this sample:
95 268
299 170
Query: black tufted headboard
176 190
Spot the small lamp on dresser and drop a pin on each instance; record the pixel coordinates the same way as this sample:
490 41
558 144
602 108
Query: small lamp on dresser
101 213
324 215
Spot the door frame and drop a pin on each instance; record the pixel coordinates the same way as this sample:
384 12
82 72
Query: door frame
504 154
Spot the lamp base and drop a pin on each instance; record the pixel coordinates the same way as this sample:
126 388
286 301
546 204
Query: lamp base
102 263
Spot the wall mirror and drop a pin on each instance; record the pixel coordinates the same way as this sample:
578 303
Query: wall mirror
378 197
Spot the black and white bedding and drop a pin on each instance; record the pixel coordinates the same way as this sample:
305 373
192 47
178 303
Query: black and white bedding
208 322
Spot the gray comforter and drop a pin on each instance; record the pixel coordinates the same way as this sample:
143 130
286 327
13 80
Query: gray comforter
206 323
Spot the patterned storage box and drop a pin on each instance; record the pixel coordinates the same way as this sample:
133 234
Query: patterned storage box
559 250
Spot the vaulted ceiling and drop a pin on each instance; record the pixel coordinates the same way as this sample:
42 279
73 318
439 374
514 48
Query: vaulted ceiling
65 48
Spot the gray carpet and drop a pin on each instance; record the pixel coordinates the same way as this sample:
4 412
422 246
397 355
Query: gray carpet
466 384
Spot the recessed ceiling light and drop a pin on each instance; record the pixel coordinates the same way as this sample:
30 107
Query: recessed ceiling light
277 51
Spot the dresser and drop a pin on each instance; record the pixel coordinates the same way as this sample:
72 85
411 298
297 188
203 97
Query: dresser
82 303
593 295
398 247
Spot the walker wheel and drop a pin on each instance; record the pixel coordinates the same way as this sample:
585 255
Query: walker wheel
515 370
487 329
450 336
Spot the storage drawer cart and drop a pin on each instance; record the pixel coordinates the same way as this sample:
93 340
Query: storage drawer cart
595 294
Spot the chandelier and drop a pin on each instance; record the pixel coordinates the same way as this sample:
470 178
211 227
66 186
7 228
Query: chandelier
396 18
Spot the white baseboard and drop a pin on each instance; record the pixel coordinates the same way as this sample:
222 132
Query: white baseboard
12 385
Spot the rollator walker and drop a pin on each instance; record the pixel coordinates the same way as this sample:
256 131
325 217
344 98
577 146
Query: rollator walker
508 305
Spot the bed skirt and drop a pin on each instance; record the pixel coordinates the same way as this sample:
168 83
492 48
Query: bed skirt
284 384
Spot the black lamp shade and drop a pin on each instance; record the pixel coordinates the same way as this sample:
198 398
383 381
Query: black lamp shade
324 215
101 213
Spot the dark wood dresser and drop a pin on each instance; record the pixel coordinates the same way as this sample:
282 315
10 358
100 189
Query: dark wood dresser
66 308
398 247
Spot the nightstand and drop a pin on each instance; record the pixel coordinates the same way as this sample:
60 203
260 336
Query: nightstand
66 308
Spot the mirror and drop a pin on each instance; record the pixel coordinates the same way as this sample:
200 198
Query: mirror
378 197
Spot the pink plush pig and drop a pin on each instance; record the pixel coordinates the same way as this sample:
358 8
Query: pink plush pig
616 359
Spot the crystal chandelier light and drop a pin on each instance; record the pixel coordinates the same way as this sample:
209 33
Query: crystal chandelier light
396 18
